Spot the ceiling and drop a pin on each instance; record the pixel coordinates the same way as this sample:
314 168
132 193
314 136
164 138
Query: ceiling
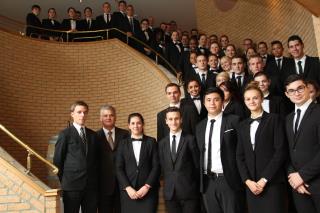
162 10
312 5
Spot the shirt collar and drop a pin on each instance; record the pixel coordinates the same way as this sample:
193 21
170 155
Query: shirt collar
303 59
258 115
77 126
304 106
175 105
177 134
219 116
106 131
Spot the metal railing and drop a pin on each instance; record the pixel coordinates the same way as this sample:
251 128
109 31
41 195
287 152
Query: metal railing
30 152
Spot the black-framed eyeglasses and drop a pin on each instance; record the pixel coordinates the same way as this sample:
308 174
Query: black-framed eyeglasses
299 90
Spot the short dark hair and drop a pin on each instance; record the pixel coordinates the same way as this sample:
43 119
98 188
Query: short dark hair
211 90
87 8
191 80
261 74
71 8
314 84
295 38
172 85
135 114
276 42
262 42
78 103
35 6
201 54
51 8
292 78
238 56
229 86
145 19
173 109
122 2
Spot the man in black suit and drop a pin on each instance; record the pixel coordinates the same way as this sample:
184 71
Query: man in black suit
76 156
51 24
302 64
87 24
216 136
206 78
179 160
110 136
202 42
303 133
240 78
189 115
174 50
70 24
33 20
120 21
263 52
104 21
224 41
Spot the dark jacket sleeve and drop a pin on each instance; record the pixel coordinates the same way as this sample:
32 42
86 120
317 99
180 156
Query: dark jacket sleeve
120 167
60 153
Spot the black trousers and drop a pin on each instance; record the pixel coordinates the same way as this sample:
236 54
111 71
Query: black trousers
308 203
182 206
219 197
87 199
110 203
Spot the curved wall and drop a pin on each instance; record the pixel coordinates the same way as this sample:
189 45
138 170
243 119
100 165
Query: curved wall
261 20
40 79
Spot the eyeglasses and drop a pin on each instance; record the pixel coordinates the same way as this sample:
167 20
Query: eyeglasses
299 90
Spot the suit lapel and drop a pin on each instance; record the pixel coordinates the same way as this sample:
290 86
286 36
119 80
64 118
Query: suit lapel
222 129
82 145
303 121
306 67
203 134
142 151
260 127
246 132
131 152
290 128
181 143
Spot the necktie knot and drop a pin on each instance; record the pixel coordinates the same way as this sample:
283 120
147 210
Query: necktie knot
300 70
212 121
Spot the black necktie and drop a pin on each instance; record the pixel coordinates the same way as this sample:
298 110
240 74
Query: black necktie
203 79
239 81
297 121
279 63
83 138
173 148
209 146
300 71
131 23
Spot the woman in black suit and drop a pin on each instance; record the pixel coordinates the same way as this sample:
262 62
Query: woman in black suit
230 104
138 169
261 154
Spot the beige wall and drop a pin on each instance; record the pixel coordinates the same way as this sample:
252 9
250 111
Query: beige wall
39 80
261 20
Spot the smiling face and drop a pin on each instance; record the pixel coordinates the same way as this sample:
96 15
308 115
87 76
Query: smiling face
136 126
296 49
253 100
174 121
298 92
107 118
79 115
237 65
173 94
264 83
194 88
213 103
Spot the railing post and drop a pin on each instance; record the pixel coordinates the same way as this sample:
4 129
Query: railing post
67 37
127 39
29 163
157 59
107 34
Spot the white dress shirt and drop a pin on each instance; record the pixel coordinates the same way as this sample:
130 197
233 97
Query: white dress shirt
253 130
281 61
175 105
197 103
216 166
78 127
136 150
303 109
178 136
73 24
266 104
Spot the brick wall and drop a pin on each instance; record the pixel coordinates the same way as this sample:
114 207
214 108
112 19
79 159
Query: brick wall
261 20
40 79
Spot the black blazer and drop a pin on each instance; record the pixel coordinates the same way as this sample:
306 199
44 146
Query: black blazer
268 158
47 24
228 145
203 112
239 90
148 170
235 108
66 24
102 24
203 50
107 175
210 81
33 20
181 177
172 54
189 121
84 25
277 105
304 148
78 170
311 69
120 22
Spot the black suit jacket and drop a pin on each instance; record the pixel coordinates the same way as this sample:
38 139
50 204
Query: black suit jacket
107 177
269 155
47 24
228 145
203 50
181 175
304 148
85 26
203 112
210 81
311 69
120 22
189 121
33 20
172 54
239 90
277 105
235 108
66 24
148 170
78 168
102 24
